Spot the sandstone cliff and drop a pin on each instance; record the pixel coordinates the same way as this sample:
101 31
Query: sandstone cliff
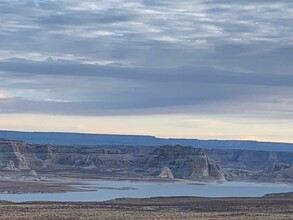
184 162
248 165
166 161
20 158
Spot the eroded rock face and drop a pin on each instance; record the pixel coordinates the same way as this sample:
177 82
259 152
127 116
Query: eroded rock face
200 167
33 173
276 168
10 166
280 171
264 166
184 162
18 156
138 162
216 172
165 161
286 173
247 159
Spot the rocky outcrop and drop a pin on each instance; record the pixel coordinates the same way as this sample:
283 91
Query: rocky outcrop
33 173
216 172
184 162
286 173
166 173
279 171
10 166
276 168
16 155
239 165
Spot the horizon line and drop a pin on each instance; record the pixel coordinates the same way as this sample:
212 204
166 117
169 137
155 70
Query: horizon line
142 135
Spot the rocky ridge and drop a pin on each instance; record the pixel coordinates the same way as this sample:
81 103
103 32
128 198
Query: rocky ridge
166 161
36 160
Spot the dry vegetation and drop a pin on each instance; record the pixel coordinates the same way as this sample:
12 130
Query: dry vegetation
279 207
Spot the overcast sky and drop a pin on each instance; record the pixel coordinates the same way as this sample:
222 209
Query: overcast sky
195 68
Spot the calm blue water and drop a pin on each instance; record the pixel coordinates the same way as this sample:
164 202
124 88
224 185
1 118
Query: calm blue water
149 189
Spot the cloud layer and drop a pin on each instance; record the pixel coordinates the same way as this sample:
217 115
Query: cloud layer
118 57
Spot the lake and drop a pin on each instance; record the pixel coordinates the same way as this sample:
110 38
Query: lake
107 190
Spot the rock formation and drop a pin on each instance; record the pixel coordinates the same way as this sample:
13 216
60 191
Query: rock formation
279 171
166 173
184 162
145 162
10 166
33 173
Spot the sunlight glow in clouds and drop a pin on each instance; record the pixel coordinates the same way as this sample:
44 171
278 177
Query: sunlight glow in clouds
2 96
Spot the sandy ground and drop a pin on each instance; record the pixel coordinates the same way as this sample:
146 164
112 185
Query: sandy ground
269 208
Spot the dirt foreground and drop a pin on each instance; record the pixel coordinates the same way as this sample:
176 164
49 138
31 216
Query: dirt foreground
274 207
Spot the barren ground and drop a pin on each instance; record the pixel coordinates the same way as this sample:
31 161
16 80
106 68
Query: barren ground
269 208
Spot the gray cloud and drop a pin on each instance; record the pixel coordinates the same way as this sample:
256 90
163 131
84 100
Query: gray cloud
181 74
142 57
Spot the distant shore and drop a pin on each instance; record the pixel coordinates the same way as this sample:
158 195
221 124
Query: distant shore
69 184
63 185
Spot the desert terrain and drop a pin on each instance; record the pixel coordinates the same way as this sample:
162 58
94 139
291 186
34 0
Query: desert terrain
270 207
43 168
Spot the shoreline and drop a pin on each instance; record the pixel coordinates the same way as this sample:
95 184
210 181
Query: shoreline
65 184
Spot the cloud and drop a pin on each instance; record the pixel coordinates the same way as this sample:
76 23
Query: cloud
2 95
179 34
124 57
93 90
51 68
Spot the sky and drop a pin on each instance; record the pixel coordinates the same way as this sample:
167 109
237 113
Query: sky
208 69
